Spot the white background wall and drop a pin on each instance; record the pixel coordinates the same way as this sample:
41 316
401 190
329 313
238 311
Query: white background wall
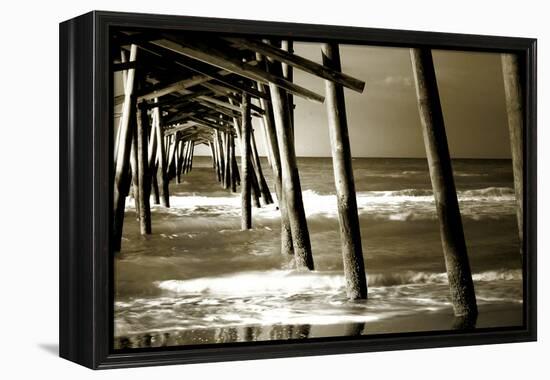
29 162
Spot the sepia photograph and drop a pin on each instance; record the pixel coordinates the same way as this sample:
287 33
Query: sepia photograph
269 189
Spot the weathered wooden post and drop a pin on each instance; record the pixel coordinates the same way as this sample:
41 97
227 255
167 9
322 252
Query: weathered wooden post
246 205
134 169
152 161
162 175
171 150
187 166
267 145
155 187
269 125
223 152
123 59
232 167
441 173
350 232
178 156
235 166
212 155
227 170
121 182
143 172
288 74
515 109
191 155
221 158
185 156
173 155
152 150
256 195
188 156
217 154
290 178
262 183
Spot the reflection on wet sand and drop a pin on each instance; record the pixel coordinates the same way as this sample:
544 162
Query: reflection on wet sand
490 316
465 322
215 335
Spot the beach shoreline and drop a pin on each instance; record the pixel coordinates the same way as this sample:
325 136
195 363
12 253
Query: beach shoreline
499 315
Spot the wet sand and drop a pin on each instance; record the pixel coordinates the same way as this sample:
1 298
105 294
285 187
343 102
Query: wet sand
490 316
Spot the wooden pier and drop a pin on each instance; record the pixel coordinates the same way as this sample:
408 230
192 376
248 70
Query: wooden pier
184 90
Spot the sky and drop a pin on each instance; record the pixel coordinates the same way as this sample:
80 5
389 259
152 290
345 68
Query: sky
383 121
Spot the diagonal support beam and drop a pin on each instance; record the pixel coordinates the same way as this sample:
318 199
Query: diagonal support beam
178 61
208 53
178 86
208 124
299 63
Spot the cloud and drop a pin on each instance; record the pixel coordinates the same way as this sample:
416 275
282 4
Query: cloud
397 80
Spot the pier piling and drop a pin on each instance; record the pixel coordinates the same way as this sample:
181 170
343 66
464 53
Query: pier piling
290 179
162 176
515 111
121 180
271 135
246 206
350 232
142 125
441 173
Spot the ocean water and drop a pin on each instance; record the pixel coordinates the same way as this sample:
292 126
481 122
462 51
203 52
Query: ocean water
200 279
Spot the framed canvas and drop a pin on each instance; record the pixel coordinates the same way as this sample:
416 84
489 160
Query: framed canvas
235 189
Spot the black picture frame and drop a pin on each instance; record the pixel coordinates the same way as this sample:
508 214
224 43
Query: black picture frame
86 297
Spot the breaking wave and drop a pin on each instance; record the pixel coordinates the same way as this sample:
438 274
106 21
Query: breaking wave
288 282
397 205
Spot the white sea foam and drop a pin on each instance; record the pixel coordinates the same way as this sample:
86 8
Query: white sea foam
288 282
397 205
257 283
285 297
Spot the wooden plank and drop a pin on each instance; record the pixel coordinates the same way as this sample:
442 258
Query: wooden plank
178 61
227 92
299 63
208 124
177 100
230 106
177 86
463 295
217 108
173 130
221 103
210 54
